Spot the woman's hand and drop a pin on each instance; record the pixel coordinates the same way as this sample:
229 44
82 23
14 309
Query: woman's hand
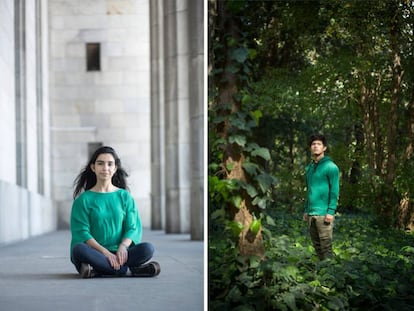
122 254
113 260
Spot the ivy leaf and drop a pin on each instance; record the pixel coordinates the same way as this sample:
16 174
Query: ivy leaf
246 99
236 227
240 55
262 152
260 202
236 200
245 279
214 166
270 221
239 123
256 115
218 142
265 181
252 146
220 213
250 168
219 119
238 139
251 191
255 261
255 226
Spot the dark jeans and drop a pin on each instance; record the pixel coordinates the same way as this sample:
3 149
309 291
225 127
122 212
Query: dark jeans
321 235
137 255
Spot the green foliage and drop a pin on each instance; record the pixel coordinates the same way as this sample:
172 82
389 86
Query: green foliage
372 269
302 67
260 183
343 50
405 178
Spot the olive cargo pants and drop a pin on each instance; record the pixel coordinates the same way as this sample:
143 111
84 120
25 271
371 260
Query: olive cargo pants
321 236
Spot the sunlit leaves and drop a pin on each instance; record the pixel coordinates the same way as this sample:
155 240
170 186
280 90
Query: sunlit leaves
255 226
256 115
237 200
236 227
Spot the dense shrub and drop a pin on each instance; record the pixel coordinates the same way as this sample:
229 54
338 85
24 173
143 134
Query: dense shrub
372 269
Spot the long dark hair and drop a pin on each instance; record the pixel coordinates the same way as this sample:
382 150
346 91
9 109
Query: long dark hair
87 178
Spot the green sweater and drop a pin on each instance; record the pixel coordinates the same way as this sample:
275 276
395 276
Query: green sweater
107 217
322 182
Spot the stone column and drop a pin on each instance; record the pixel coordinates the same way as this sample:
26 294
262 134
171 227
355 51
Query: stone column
177 97
172 217
157 116
177 141
46 180
196 39
21 96
183 101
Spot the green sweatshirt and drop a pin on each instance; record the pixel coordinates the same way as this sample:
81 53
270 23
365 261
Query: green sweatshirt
322 182
107 217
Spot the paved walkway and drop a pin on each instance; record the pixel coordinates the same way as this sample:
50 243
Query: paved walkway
37 274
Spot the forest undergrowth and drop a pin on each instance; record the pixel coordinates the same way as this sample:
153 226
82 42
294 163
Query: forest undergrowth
372 268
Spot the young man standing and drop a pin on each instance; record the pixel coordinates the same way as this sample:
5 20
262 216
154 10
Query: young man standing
322 182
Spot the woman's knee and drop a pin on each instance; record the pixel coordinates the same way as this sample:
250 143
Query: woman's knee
144 249
80 248
148 248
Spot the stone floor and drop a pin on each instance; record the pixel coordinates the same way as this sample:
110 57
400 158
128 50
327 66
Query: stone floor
37 274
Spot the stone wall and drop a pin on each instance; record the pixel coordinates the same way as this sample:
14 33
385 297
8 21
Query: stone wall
109 106
7 93
24 214
26 208
53 109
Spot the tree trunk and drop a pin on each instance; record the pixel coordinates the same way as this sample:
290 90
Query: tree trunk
355 174
405 213
368 128
228 86
393 119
